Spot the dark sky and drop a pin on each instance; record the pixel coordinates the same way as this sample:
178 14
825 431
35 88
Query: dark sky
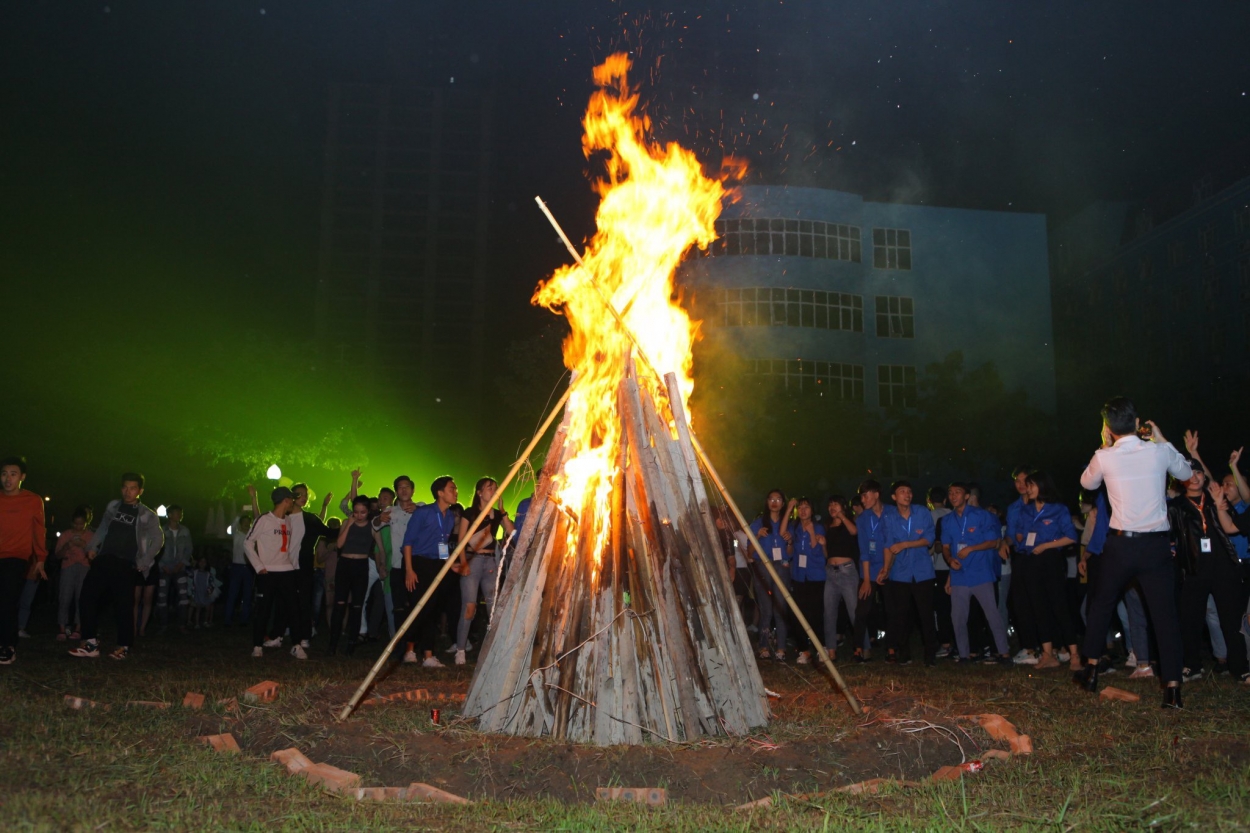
161 165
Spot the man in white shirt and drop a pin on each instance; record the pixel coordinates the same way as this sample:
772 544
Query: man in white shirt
1135 470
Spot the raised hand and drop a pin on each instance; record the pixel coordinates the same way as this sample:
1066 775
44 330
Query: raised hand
1235 457
1191 444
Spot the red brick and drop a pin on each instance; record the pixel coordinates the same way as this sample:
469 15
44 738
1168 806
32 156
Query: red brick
331 777
653 796
424 792
758 804
1113 693
221 743
292 759
378 793
995 755
1021 745
263 692
193 701
947 773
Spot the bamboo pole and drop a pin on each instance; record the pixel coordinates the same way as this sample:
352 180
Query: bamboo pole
819 642
464 540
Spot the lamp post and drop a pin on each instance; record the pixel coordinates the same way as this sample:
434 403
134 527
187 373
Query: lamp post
274 473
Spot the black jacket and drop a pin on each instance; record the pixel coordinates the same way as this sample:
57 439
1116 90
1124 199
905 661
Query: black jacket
1186 521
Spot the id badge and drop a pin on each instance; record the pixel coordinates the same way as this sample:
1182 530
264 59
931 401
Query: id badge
1205 543
776 553
872 546
802 561
443 552
1031 539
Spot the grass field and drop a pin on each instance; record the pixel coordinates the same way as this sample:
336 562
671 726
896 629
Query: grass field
1097 766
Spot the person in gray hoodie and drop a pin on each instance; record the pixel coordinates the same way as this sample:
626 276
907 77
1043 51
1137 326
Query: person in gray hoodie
126 542
174 565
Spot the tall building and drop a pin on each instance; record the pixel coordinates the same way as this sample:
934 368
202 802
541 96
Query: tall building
835 296
403 261
1152 300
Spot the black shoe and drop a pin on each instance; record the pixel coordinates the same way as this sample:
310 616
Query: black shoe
1005 662
1220 669
1087 678
930 662
7 656
891 658
1172 698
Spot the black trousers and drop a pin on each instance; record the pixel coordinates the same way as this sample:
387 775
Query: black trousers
275 594
942 609
868 615
810 597
1024 569
1149 560
305 582
1222 579
900 596
12 581
427 620
351 583
402 601
1048 597
109 581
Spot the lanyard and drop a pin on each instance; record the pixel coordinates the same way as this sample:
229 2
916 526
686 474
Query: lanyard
910 517
963 525
1201 506
439 515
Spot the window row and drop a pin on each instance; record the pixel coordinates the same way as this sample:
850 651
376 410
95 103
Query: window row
777 307
797 238
896 384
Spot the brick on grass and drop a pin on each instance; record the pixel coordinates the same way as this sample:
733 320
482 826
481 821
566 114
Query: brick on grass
221 743
872 786
652 796
995 755
79 702
193 701
947 773
1113 693
292 759
424 792
1021 745
330 778
263 692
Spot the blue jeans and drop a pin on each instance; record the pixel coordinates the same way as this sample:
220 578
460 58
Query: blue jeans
772 607
841 585
242 580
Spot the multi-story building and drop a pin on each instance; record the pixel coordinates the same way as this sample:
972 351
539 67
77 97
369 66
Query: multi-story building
1152 300
835 296
402 271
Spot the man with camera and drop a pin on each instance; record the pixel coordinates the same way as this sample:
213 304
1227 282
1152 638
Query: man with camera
1135 467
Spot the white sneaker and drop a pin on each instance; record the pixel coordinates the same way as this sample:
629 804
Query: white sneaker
411 656
303 643
276 642
1064 656
459 657
468 646
805 658
314 633
23 635
297 651
1024 658
1143 673
431 662
1131 662
258 652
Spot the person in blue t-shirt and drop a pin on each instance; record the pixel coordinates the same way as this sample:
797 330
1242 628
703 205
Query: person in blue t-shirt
1044 531
870 526
908 574
775 542
970 538
807 571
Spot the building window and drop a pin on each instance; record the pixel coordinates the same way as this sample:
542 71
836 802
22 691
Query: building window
891 248
1176 253
1206 239
896 386
778 307
843 382
1241 220
903 463
895 317
796 238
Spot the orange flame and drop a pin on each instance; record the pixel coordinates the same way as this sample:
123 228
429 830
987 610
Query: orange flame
655 204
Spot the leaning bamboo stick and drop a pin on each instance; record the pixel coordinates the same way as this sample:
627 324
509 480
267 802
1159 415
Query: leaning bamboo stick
464 540
819 642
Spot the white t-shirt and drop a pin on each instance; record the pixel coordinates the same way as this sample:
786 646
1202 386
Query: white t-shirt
939 563
740 547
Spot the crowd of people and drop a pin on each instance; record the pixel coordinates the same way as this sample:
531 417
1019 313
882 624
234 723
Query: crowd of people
1155 541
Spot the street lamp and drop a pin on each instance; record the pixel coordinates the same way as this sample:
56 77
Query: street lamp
274 473
160 511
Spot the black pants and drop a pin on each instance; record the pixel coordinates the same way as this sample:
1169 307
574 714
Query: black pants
810 597
1023 578
899 598
868 616
427 620
942 609
110 580
305 582
351 583
275 594
1149 560
1048 597
1222 579
12 581
402 601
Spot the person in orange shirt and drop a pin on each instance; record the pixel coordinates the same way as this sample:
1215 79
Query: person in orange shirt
23 548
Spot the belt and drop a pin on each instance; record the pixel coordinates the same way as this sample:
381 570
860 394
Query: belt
1128 533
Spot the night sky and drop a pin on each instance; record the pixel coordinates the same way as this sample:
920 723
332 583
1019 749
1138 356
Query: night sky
162 172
